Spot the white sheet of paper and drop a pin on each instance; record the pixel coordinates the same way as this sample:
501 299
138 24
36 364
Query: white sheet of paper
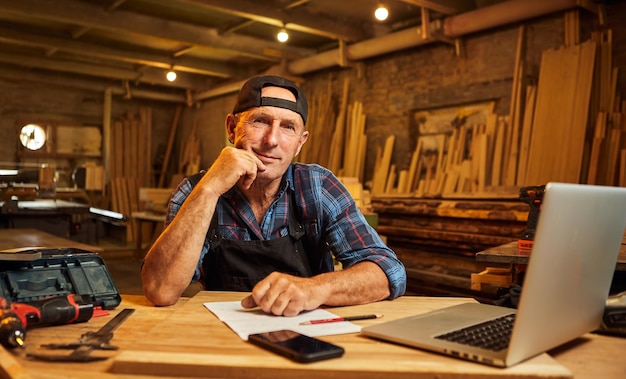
245 322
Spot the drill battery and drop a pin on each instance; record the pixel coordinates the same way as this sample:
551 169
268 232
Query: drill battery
533 196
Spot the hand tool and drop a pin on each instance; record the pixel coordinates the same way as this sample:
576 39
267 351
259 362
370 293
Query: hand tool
89 341
15 318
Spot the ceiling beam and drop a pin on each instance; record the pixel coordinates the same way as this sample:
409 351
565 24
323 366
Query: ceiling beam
143 76
291 18
86 15
196 66
90 85
447 7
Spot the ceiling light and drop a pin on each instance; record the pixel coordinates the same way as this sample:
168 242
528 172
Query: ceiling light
171 75
282 35
381 13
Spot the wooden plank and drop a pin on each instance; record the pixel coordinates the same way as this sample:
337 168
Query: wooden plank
380 175
577 129
568 72
141 150
431 162
498 151
465 177
548 110
321 115
362 155
596 148
527 126
510 173
114 156
403 177
391 179
452 179
438 181
133 204
413 167
482 146
170 144
135 147
336 147
127 148
489 130
147 125
613 156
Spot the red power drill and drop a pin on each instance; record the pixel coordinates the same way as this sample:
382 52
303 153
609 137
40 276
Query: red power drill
533 196
15 318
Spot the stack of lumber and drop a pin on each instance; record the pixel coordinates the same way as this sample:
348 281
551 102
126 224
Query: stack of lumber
545 137
338 134
561 111
131 163
320 125
472 159
345 154
437 239
607 157
607 164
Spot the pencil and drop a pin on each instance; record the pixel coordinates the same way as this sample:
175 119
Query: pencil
339 319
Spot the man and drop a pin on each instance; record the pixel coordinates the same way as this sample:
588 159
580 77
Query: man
256 222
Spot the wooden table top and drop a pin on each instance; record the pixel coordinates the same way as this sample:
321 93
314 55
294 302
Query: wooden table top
23 238
186 340
510 254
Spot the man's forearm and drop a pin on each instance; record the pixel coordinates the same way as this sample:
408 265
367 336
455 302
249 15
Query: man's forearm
365 282
171 261
168 267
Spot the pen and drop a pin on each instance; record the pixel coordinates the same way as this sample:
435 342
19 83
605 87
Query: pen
338 319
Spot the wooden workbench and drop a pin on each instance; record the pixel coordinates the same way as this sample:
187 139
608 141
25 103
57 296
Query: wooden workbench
23 238
186 340
515 262
510 254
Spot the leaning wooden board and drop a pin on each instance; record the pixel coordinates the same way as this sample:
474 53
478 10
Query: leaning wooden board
193 343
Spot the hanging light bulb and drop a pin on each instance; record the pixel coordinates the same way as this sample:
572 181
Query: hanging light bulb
381 13
171 75
282 35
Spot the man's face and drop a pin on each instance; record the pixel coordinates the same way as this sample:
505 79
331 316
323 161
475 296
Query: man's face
275 135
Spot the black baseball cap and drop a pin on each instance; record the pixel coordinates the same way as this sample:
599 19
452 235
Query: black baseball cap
250 96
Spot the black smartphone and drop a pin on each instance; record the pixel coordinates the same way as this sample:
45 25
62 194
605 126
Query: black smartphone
296 346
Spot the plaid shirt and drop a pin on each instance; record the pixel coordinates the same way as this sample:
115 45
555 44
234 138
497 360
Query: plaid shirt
328 212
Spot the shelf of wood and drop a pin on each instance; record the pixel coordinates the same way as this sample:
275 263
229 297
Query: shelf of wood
437 239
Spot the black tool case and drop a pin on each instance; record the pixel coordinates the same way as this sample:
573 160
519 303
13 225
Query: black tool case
37 273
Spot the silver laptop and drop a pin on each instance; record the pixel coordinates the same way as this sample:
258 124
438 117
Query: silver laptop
567 282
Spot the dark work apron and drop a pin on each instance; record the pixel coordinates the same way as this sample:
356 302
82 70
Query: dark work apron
237 265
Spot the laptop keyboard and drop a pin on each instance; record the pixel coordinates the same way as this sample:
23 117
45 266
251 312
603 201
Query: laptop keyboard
491 335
